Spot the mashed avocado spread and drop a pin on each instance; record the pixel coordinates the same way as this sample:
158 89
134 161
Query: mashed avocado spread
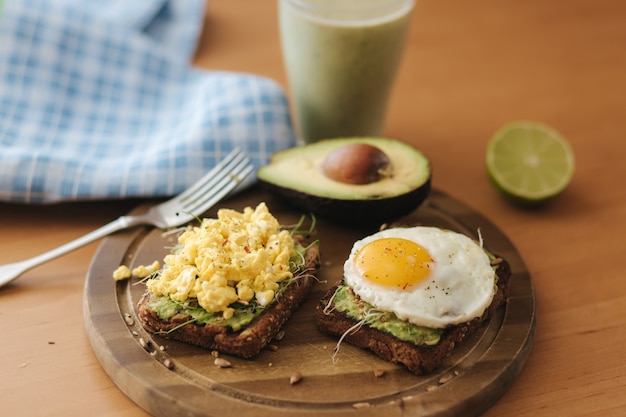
166 308
347 303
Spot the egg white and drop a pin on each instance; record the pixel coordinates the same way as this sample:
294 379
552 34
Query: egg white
460 287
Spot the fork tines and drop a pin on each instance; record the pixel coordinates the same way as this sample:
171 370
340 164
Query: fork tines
217 183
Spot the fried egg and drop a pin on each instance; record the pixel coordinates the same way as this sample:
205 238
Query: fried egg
425 275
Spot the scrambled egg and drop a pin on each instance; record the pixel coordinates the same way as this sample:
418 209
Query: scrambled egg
142 271
122 272
237 257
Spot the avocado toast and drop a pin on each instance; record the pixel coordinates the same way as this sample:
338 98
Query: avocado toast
232 288
410 336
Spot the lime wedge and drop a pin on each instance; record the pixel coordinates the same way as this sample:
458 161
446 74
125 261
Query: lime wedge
529 162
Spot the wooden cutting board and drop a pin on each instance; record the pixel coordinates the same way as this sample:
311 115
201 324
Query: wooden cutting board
170 378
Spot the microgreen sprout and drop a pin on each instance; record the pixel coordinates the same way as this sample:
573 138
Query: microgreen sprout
329 307
181 325
295 230
368 316
154 275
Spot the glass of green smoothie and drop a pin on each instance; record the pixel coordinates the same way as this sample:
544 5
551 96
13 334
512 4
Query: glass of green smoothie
341 58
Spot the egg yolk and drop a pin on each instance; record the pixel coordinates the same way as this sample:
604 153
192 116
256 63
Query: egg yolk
394 262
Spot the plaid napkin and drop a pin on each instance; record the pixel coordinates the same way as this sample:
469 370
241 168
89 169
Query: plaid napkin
98 100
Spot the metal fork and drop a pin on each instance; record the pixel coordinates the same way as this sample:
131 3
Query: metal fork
171 213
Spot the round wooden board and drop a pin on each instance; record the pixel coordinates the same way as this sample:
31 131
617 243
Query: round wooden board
474 377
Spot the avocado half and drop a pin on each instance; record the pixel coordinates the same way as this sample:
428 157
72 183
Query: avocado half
296 176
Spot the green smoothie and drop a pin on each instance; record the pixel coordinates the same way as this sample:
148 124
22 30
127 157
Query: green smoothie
341 66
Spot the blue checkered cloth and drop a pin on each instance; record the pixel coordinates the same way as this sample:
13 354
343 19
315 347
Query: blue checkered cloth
98 100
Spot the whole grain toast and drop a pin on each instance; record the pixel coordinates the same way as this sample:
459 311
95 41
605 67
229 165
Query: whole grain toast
249 341
420 359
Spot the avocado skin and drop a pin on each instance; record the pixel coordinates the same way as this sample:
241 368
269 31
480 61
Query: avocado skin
356 213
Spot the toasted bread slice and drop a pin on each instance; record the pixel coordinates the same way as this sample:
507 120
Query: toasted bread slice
420 359
249 341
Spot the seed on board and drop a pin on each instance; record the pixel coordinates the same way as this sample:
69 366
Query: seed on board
361 405
379 372
445 378
168 363
128 319
280 335
142 342
222 363
271 347
215 353
295 378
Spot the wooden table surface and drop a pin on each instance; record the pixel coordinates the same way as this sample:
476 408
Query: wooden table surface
469 68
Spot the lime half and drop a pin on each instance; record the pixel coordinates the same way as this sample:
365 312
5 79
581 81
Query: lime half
529 162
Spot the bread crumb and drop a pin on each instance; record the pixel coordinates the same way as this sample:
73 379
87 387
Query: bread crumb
361 405
431 388
379 373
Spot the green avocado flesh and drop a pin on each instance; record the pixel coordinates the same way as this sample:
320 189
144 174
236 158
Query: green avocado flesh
295 175
299 168
167 308
346 302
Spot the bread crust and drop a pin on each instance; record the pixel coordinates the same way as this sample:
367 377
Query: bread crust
419 359
248 341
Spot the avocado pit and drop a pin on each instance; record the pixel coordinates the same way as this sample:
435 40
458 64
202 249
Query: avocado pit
357 163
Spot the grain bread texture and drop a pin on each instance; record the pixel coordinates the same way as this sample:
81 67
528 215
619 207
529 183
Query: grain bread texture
420 359
250 340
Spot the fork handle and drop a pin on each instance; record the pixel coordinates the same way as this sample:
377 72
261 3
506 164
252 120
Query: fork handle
118 224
